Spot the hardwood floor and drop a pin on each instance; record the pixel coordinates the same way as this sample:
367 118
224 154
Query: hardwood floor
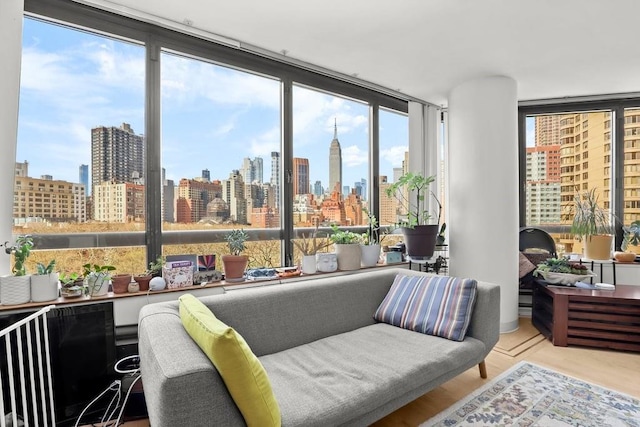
616 370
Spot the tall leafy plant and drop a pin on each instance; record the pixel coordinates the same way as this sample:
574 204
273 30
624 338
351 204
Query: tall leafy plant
236 240
411 190
21 251
589 219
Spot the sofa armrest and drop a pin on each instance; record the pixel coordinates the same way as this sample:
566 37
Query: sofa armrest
182 387
485 320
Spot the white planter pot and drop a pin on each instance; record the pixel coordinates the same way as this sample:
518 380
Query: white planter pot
326 262
308 264
349 256
98 284
370 255
44 287
15 290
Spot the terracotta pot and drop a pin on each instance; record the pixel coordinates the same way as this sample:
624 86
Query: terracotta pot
143 281
234 267
120 283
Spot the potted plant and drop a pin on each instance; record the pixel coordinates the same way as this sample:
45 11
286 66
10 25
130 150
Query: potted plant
97 278
234 263
71 285
120 283
16 288
309 245
592 225
44 284
155 267
347 244
370 246
418 229
630 237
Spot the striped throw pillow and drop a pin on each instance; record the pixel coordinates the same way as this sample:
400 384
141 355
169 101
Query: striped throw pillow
434 305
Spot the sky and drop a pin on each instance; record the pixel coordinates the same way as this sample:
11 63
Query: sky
212 116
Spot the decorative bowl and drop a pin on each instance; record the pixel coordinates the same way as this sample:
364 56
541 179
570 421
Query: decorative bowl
564 278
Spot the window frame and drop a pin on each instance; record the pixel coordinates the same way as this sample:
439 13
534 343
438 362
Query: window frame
156 38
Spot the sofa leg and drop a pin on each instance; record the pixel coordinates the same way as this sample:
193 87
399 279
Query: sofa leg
483 369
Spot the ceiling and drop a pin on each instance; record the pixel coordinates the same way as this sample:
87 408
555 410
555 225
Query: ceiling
425 48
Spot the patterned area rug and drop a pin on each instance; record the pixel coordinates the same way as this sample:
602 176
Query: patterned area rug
529 395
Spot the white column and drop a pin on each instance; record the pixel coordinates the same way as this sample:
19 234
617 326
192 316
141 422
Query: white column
11 12
483 187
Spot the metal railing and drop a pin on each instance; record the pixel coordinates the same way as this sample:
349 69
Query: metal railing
26 387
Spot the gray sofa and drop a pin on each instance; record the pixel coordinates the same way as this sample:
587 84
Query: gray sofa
328 361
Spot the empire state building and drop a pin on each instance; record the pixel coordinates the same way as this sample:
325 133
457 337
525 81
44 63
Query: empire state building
335 162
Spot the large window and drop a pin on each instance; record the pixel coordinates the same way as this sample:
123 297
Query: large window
136 141
573 152
80 145
394 156
220 153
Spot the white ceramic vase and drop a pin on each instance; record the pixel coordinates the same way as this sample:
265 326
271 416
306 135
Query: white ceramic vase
370 255
15 290
44 287
98 284
308 264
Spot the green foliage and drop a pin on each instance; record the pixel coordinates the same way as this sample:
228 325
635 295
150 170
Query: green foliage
374 234
235 240
21 251
561 265
155 267
342 237
631 235
96 269
68 280
589 218
410 190
45 269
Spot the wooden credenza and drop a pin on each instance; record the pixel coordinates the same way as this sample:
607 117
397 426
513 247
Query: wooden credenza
594 318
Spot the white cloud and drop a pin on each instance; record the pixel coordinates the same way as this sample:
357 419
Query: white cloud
394 155
353 156
265 143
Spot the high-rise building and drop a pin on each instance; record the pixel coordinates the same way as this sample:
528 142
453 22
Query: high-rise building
301 180
335 162
388 205
233 195
547 130
168 198
275 177
252 170
118 202
542 192
317 189
83 177
117 155
47 199
206 175
193 198
361 188
346 190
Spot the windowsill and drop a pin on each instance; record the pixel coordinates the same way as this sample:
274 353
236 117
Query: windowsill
110 296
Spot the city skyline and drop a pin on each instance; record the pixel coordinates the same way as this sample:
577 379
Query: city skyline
213 117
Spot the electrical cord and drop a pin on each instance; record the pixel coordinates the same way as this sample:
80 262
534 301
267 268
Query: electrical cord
117 384
126 398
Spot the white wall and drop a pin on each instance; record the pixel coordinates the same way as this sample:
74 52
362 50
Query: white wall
483 187
11 12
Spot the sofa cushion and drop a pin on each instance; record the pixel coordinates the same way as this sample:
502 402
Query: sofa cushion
339 379
434 305
240 369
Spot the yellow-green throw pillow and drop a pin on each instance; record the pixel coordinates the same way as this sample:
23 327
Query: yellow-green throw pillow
242 372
